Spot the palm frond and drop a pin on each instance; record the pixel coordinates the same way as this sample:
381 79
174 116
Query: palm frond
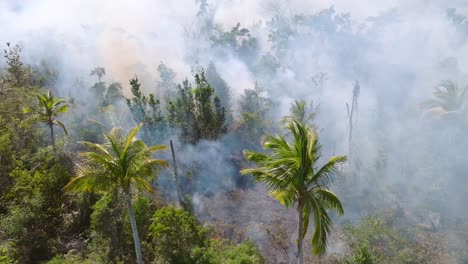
306 217
62 109
322 224
156 163
123 160
156 148
143 185
97 147
330 200
129 138
88 180
285 197
300 113
61 125
255 156
448 96
320 239
326 174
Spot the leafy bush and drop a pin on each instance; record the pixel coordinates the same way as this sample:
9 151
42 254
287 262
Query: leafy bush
374 241
174 234
177 238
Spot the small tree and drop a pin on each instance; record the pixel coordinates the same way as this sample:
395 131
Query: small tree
147 110
99 72
448 98
291 174
49 107
113 93
121 163
16 72
221 88
254 105
198 111
175 233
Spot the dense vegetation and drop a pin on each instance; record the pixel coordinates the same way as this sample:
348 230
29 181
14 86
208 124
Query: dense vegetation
187 171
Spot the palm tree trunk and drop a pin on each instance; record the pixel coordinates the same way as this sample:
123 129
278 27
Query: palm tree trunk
136 239
300 254
52 137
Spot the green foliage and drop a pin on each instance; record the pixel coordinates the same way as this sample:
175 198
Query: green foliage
301 113
143 215
197 112
6 160
74 258
246 253
238 40
291 174
121 162
254 105
221 252
108 240
69 259
374 241
113 93
177 238
34 202
7 255
362 255
17 75
147 110
166 84
448 97
110 228
255 100
47 110
175 233
221 88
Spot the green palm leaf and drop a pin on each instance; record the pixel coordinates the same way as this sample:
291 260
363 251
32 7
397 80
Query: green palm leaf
47 109
122 162
289 170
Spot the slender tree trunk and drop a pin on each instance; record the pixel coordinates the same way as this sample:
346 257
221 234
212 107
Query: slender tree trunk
350 137
300 253
136 239
52 137
176 180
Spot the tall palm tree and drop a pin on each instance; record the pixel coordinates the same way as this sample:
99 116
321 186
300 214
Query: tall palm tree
292 176
122 162
448 99
99 72
49 107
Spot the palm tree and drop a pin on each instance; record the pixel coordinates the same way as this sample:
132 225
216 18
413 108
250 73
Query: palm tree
121 163
448 99
291 174
301 113
48 109
99 72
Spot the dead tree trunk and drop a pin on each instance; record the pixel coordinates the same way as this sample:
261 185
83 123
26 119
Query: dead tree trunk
176 179
353 114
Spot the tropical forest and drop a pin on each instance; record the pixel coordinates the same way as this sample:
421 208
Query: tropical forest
234 132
